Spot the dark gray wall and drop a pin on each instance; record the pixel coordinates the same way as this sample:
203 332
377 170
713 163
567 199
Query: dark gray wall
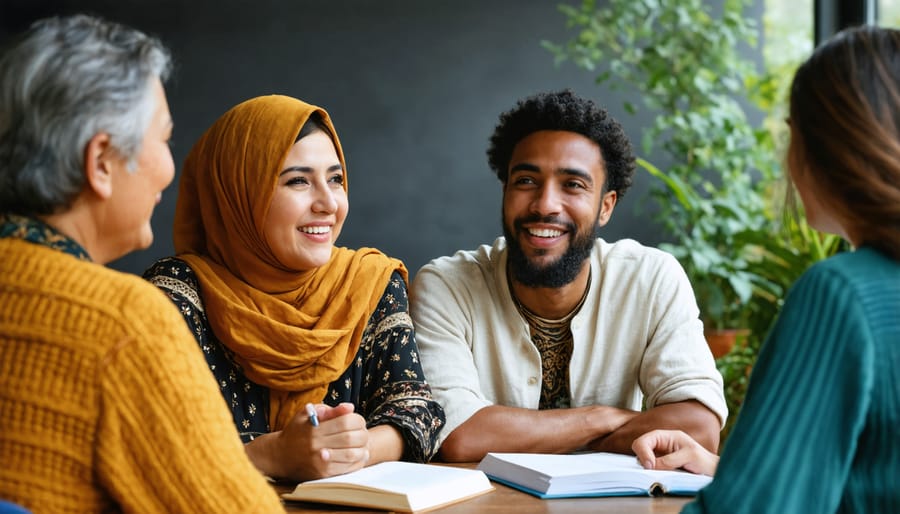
414 88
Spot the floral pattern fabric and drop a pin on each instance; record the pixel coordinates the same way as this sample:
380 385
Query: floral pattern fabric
385 381
38 232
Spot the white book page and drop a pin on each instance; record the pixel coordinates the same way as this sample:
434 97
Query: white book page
400 477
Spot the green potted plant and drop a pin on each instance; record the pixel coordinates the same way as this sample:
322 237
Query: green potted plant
685 64
717 196
720 253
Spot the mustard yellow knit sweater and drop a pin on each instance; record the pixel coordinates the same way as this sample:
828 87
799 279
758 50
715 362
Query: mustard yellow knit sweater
106 403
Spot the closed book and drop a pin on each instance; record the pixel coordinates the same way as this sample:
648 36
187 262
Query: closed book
396 486
586 475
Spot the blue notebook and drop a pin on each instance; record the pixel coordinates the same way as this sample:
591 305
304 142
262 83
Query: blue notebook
586 475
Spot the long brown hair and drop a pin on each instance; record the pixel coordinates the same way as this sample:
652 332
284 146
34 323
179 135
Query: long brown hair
845 106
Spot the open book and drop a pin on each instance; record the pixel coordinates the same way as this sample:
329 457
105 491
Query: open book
586 474
396 486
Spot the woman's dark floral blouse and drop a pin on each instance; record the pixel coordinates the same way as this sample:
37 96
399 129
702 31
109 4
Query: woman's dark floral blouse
384 382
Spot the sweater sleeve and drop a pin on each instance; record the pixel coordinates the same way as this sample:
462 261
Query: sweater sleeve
793 445
165 440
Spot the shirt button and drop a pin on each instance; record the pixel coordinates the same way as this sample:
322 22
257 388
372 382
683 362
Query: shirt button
532 381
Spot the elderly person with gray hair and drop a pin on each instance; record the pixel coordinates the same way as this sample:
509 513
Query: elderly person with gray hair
107 402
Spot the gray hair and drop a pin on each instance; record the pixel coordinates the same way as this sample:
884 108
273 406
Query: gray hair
63 81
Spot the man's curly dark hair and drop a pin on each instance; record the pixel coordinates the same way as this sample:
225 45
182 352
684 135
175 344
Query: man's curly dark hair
564 110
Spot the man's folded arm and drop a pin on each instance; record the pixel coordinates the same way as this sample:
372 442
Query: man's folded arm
690 416
498 428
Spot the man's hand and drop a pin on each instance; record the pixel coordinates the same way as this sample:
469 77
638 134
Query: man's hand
689 416
673 449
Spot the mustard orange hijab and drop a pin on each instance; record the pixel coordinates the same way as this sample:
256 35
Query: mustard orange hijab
291 331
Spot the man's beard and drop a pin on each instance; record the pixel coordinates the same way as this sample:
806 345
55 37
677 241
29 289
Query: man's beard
558 273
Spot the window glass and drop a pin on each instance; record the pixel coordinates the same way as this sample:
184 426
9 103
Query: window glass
889 13
787 41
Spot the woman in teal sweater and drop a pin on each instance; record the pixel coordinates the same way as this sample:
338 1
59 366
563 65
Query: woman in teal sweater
820 427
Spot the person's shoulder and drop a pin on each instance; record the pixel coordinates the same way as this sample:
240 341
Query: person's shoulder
631 252
131 295
861 270
466 276
854 290
483 258
863 260
176 278
170 267
111 296
395 289
145 317
122 304
144 330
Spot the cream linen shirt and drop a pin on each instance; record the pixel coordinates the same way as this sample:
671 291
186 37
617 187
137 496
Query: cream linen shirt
638 333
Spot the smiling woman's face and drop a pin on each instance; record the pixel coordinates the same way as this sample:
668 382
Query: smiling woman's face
309 205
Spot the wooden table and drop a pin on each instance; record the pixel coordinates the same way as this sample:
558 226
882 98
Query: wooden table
508 500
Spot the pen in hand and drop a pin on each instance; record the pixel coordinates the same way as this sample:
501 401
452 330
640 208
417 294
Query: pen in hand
311 412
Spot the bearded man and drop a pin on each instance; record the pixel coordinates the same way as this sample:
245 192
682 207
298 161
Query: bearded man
552 339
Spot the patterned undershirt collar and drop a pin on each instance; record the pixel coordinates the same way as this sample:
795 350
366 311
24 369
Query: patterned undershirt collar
540 322
554 341
37 232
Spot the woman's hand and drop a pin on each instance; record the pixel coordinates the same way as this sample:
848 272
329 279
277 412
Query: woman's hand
673 449
302 451
338 445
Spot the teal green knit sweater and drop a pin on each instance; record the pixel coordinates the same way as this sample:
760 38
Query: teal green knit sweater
819 431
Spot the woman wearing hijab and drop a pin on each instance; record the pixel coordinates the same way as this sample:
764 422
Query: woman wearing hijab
284 317
818 431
